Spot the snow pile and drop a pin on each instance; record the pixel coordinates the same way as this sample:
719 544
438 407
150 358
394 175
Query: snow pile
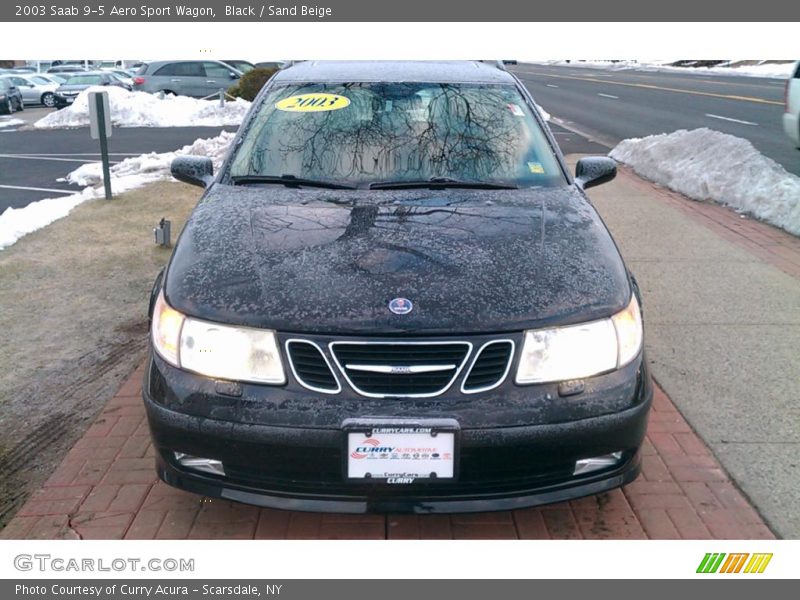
704 164
9 122
153 166
129 174
141 109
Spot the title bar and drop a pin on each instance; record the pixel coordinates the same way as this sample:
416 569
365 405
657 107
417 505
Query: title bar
407 11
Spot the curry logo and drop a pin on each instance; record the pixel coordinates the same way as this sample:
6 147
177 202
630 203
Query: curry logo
734 563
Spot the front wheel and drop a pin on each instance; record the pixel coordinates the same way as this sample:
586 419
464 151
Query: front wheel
48 99
20 105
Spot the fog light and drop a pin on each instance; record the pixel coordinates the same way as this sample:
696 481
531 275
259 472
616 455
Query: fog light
596 463
206 465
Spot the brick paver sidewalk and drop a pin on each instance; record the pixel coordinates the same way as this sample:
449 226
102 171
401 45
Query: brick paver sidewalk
106 488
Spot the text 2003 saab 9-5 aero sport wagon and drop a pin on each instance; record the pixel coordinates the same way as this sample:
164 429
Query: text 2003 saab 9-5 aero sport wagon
394 296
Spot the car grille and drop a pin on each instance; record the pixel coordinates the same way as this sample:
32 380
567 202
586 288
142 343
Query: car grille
400 369
490 367
310 367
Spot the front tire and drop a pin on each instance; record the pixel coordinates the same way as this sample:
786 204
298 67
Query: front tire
20 105
7 108
48 99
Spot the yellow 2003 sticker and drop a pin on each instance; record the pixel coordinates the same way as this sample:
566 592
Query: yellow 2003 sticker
316 102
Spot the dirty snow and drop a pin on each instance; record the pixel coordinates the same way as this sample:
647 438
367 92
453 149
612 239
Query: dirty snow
9 122
129 174
772 70
141 109
704 164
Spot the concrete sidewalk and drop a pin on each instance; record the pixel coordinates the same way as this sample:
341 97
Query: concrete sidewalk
722 311
722 296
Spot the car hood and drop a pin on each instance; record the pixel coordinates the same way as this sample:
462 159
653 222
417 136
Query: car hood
74 88
329 262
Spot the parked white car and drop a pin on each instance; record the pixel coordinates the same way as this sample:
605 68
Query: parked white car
35 88
791 115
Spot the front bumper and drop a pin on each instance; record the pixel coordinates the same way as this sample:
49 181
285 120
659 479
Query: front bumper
63 101
283 448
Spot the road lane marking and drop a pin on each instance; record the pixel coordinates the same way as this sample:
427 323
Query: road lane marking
38 189
608 96
663 88
721 118
551 85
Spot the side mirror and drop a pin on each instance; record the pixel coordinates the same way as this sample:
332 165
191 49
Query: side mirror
195 170
233 75
594 170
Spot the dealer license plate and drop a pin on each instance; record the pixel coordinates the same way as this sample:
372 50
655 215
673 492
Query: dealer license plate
70 100
401 452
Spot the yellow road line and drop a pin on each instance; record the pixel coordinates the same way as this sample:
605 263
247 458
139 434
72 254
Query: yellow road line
658 87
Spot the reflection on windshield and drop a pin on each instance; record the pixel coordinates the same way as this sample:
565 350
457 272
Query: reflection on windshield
371 133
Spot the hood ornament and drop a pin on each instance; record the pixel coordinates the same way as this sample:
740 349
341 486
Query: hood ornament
401 306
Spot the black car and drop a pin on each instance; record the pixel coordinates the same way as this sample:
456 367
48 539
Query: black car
394 296
66 93
10 97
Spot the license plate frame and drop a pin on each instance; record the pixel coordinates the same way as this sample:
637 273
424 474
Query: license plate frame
436 433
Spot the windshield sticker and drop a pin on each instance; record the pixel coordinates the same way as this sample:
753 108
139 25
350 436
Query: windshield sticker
315 102
535 167
516 110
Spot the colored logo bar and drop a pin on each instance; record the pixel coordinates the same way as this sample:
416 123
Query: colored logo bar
736 562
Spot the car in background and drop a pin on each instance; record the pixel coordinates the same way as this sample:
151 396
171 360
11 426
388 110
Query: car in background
197 78
66 93
395 296
791 114
10 97
123 76
66 69
35 89
240 65
271 64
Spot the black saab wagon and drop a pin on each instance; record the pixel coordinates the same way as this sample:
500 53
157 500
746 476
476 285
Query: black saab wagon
393 296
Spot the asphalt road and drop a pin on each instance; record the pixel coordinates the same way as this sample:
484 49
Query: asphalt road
37 159
610 106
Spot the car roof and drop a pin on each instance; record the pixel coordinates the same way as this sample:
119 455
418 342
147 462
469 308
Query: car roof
394 71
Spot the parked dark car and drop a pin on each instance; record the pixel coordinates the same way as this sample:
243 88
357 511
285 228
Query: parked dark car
67 92
67 69
10 96
394 296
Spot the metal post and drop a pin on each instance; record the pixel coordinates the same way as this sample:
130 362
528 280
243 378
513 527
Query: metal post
101 125
221 98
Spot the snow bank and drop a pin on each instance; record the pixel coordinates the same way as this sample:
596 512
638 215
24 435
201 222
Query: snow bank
129 174
141 109
704 164
9 122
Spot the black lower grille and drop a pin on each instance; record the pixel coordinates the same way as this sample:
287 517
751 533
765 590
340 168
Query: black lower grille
401 368
490 367
310 366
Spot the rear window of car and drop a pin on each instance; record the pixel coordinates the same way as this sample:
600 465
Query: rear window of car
181 69
366 133
86 80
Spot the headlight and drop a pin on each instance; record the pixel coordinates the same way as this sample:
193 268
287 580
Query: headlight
215 350
579 351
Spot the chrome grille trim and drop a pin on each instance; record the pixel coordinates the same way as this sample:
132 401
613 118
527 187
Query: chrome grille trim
475 358
299 379
458 370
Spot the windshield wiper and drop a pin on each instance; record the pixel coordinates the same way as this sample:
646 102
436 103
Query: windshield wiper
291 181
441 182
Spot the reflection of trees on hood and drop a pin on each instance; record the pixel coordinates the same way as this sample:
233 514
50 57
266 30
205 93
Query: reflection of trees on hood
398 135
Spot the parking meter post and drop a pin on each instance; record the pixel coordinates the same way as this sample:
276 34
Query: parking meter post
101 124
221 98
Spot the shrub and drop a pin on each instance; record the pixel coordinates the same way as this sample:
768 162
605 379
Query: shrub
250 84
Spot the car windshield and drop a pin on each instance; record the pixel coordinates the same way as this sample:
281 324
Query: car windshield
39 80
377 133
85 79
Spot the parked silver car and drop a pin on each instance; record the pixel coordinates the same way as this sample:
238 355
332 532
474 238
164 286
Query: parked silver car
35 89
198 78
